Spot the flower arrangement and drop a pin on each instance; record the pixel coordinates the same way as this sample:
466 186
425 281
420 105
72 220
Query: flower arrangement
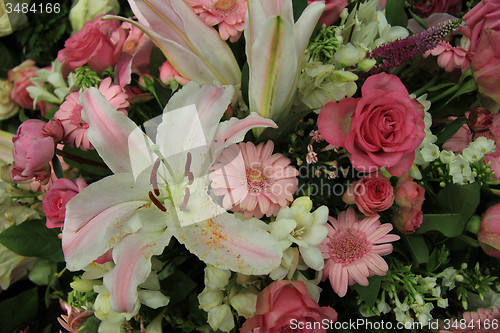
250 166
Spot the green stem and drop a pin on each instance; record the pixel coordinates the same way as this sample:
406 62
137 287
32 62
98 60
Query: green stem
445 93
79 159
430 84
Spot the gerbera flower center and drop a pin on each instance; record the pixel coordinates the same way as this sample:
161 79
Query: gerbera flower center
256 180
227 7
348 245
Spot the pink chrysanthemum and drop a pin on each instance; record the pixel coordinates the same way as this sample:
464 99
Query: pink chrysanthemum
70 113
253 180
353 249
228 14
481 321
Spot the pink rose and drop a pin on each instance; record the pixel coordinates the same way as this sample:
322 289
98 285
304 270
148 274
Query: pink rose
20 77
428 7
283 303
168 74
94 44
56 198
484 15
372 194
409 194
381 129
332 10
407 219
33 150
489 234
486 64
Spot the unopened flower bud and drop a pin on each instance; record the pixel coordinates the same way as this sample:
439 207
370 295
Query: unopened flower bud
221 318
480 120
245 304
216 278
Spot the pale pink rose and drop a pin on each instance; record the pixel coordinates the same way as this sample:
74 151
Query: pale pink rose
409 194
228 14
168 74
480 321
450 57
428 7
407 219
33 150
486 64
332 10
93 45
56 198
70 113
489 234
381 129
372 194
284 302
485 15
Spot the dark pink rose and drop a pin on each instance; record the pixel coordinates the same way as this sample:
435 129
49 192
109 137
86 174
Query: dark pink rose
332 10
283 303
409 194
489 234
480 120
372 194
486 64
407 220
428 7
96 44
381 129
32 152
56 198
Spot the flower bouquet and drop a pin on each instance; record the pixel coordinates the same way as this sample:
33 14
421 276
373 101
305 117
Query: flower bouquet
250 166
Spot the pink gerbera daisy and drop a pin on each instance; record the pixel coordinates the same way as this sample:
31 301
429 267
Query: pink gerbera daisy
253 180
70 113
228 14
353 248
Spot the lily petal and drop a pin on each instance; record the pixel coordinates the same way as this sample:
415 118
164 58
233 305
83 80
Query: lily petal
92 229
133 264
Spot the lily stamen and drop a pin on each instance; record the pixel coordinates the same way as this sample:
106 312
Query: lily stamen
156 202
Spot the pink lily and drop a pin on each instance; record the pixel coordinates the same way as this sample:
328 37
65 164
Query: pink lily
195 50
137 219
278 44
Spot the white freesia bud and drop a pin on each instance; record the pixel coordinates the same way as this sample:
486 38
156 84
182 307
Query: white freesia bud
210 298
349 55
366 64
216 278
85 285
153 299
244 303
303 201
7 107
88 10
155 325
221 318
16 19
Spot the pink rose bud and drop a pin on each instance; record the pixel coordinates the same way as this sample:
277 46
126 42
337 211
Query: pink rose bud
409 194
32 152
284 302
372 194
407 219
489 234
54 129
480 120
56 198
168 74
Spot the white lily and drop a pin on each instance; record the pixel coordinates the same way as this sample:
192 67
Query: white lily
121 212
194 49
274 47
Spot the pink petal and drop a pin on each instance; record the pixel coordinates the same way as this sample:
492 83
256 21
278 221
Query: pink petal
334 121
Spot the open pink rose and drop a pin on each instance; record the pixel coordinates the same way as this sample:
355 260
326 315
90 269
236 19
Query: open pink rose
489 234
486 64
428 7
332 10
20 77
372 194
381 129
93 44
34 147
56 198
284 306
485 15
409 194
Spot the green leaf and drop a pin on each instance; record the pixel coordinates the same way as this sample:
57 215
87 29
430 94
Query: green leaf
468 87
177 285
33 239
19 311
450 130
450 225
6 60
22 115
198 314
369 294
245 79
56 166
285 126
418 19
298 7
91 155
395 13
418 248
156 59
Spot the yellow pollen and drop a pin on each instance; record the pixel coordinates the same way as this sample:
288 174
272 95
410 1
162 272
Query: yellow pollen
226 7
